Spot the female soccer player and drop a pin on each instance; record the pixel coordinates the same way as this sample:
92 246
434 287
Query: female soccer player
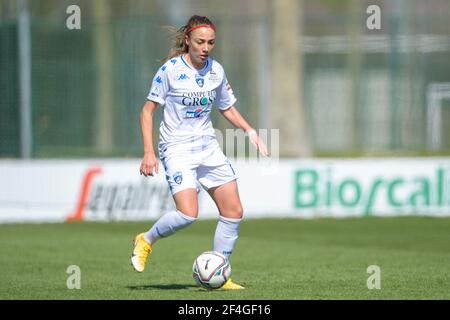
188 85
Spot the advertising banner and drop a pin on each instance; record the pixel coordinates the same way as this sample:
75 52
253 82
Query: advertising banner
110 190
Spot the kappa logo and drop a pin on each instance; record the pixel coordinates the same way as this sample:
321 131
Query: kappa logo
178 177
183 76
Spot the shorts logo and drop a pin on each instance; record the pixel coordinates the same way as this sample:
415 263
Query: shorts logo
200 81
178 177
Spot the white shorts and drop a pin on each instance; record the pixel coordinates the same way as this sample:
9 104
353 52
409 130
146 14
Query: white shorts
186 169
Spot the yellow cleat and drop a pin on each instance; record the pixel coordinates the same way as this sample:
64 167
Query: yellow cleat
230 285
140 253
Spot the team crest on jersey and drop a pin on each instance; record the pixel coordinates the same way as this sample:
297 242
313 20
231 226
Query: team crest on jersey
178 177
200 80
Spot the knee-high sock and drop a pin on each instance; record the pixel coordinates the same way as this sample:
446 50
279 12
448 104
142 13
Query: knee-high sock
167 225
226 235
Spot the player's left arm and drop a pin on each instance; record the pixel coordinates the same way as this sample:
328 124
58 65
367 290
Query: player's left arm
237 120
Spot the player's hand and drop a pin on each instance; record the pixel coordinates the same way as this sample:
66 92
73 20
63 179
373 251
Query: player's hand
256 140
149 165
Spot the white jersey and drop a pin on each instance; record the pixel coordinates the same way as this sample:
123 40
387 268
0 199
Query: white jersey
188 96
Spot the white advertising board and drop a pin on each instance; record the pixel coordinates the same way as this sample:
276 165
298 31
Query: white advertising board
105 190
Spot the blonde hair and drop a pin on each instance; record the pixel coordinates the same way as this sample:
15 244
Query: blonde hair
179 46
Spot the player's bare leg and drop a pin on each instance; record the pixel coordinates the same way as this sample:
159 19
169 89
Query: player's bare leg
186 202
229 204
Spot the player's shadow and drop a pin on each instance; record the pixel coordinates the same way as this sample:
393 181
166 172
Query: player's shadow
162 287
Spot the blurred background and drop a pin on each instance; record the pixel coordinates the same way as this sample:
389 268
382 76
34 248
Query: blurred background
312 69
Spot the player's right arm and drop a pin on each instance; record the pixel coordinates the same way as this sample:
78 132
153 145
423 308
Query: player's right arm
149 163
156 96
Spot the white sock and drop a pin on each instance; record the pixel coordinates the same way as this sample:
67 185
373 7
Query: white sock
167 225
226 235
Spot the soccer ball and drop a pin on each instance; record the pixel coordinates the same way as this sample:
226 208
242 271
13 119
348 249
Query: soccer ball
211 270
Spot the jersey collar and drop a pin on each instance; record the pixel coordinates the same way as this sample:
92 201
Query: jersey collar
205 67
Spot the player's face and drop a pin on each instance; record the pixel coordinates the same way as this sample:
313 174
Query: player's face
201 44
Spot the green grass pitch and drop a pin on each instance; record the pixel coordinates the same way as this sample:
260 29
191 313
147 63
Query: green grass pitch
274 259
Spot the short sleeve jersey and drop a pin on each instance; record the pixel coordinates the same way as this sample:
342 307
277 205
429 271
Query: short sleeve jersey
187 96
